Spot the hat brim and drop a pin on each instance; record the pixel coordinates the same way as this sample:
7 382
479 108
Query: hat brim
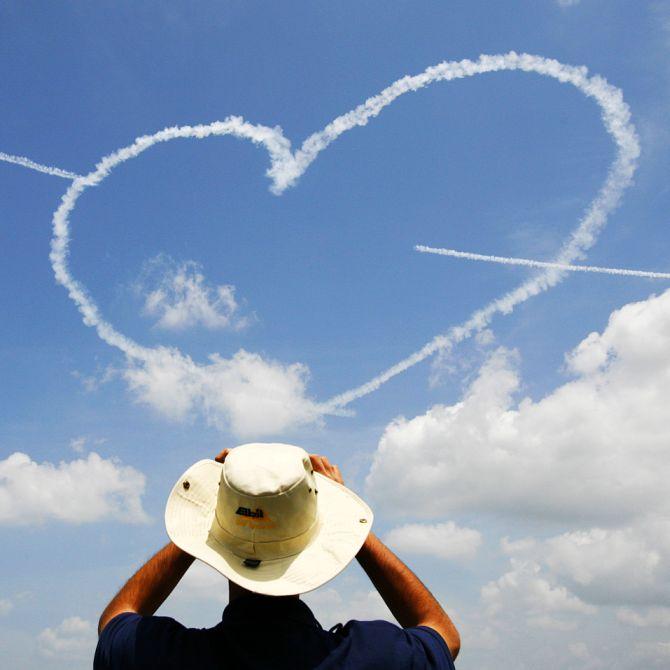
344 523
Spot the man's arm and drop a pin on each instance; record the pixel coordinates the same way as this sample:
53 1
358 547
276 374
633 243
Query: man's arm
148 588
410 602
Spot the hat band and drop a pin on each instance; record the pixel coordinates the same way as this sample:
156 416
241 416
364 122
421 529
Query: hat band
265 551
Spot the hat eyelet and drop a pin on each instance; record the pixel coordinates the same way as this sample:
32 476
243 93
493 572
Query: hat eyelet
362 521
187 485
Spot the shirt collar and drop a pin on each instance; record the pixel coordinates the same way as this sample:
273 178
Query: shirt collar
268 607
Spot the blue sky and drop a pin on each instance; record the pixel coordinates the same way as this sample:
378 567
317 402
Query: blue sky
186 248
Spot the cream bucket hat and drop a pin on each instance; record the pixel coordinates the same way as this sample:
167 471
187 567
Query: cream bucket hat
266 520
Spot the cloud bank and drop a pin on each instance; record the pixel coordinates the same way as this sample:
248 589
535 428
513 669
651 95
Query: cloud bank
74 638
81 491
442 540
588 461
593 449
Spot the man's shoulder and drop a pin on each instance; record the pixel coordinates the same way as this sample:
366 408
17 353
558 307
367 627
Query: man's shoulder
130 640
379 643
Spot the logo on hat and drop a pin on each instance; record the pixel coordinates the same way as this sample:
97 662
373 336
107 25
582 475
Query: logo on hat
246 511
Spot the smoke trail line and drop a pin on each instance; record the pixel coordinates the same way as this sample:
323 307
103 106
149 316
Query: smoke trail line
271 138
287 166
615 115
32 165
508 260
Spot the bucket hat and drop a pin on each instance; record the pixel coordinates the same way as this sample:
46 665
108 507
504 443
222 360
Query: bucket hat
266 520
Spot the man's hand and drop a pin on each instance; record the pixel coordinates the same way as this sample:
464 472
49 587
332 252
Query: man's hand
222 456
323 466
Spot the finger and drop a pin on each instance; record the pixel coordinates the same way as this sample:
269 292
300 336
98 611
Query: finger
317 463
338 474
322 466
222 456
331 468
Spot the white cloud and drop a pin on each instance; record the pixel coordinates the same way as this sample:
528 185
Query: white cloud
180 298
77 444
6 606
246 393
73 638
567 3
613 566
579 650
524 591
478 636
441 540
609 566
523 546
594 449
654 617
80 491
655 652
94 381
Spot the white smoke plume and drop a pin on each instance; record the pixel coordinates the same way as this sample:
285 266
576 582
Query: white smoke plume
32 165
508 260
287 166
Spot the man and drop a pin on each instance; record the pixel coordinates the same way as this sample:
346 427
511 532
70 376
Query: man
276 522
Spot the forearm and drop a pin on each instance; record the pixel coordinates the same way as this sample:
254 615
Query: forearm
148 588
410 602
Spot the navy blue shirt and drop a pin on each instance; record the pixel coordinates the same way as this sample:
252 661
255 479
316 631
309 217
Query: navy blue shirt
260 633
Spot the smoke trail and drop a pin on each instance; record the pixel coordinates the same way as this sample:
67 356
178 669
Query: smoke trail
32 165
616 118
273 140
506 260
286 167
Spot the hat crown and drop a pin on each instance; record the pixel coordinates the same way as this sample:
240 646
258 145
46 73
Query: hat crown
265 469
267 501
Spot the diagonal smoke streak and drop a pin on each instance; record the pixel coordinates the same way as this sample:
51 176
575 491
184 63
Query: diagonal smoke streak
32 165
286 167
527 262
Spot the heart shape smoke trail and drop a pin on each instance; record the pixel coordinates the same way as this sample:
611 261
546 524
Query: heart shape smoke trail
287 166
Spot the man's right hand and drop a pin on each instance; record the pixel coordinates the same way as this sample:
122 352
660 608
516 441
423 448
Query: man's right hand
324 467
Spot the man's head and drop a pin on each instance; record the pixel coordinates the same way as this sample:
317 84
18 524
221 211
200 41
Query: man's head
266 520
